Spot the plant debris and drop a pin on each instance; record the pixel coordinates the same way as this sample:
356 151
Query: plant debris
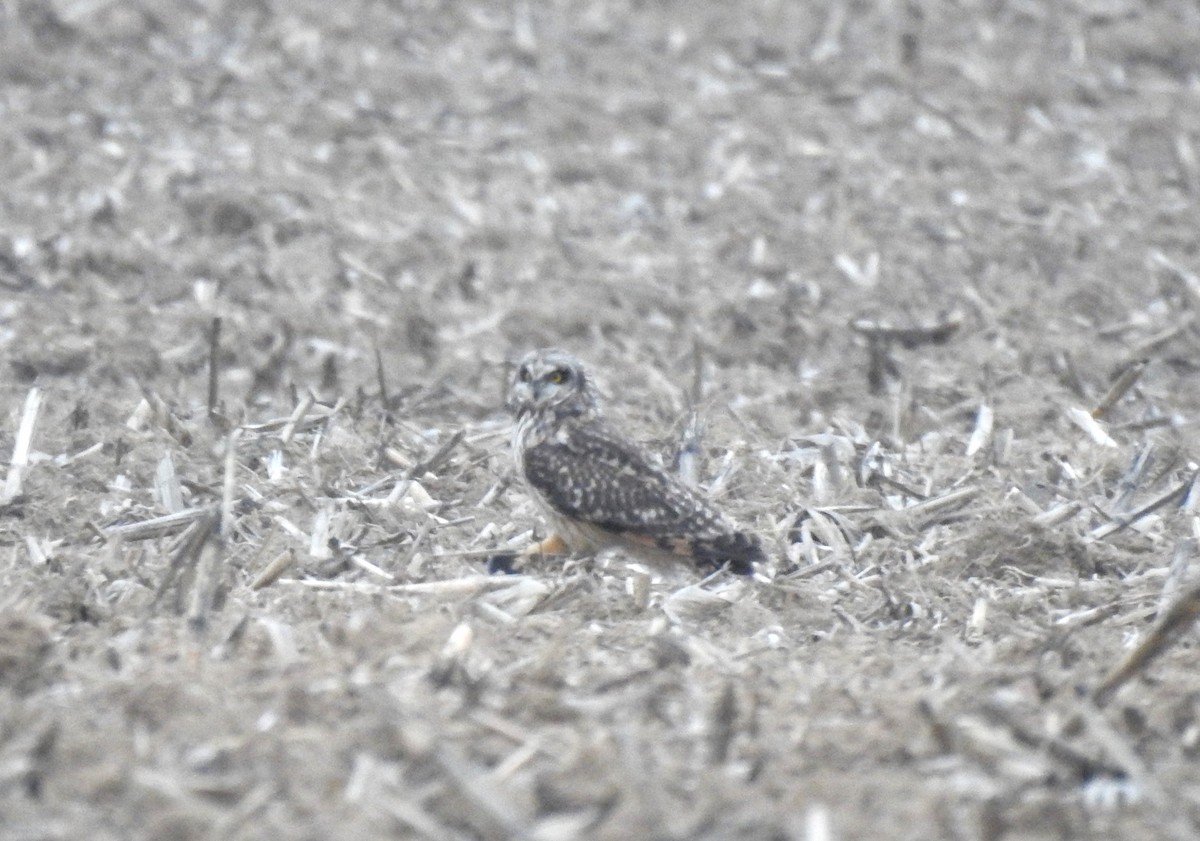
911 289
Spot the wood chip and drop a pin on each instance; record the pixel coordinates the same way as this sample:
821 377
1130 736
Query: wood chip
19 462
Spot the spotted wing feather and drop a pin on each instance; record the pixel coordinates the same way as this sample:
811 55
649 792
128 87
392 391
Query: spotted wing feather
590 473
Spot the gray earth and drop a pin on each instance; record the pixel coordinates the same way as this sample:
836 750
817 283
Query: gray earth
882 262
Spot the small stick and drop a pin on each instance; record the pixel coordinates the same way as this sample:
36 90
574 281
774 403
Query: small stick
186 554
851 623
470 553
724 717
639 589
881 481
804 572
1002 446
1122 523
1152 343
309 420
936 333
383 391
413 547
1068 373
689 450
204 582
227 499
1122 384
984 422
1179 574
318 540
1148 423
64 460
367 566
289 428
1129 483
157 526
1170 628
881 365
1091 426
937 503
1017 496
272 571
1058 514
952 119
435 461
169 489
37 555
214 367
20 456
469 585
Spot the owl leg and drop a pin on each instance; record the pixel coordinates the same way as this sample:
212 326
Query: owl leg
552 545
507 562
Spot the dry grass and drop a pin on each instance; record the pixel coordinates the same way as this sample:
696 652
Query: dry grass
894 268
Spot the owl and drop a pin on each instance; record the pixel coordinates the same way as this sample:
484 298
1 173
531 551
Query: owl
597 487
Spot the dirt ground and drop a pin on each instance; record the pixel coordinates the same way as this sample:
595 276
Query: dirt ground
719 206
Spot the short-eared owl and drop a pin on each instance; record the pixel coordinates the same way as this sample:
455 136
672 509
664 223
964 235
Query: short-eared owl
600 489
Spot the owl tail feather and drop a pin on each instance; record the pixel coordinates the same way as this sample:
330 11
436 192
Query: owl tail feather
741 551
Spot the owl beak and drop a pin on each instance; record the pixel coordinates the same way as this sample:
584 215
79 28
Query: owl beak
520 396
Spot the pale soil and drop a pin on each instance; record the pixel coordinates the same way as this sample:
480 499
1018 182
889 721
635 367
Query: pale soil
698 198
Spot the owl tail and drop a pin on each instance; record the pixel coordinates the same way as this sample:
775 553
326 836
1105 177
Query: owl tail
739 550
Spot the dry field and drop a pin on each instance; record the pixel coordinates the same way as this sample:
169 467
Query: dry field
241 571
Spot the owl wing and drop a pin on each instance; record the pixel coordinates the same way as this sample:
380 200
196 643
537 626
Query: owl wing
589 472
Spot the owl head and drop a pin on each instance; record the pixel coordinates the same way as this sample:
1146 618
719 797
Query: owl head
551 379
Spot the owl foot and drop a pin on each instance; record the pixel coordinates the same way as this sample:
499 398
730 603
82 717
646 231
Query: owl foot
507 562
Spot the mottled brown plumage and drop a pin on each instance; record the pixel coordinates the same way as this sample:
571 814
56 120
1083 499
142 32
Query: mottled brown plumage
597 487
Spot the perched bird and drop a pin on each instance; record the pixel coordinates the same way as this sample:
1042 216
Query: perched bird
600 489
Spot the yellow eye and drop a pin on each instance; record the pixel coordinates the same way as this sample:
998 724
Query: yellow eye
558 377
